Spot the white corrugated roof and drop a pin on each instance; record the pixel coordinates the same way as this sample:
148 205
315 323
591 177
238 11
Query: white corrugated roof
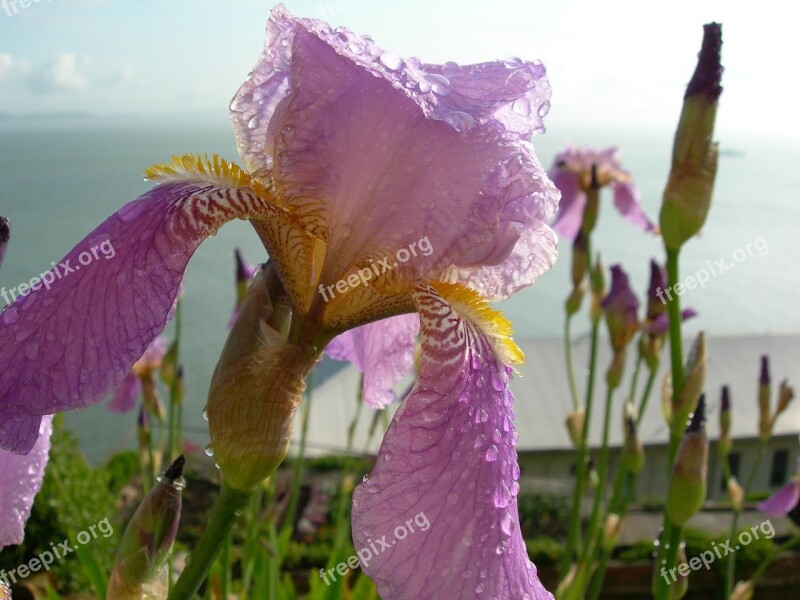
542 395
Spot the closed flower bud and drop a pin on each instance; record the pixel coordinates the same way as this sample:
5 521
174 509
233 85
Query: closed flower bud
785 397
575 424
169 365
764 392
255 390
725 423
666 398
580 260
687 196
611 530
633 450
736 494
620 306
5 235
575 299
743 591
681 586
597 283
687 490
695 372
139 570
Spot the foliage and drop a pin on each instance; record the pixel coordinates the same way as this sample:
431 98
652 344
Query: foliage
543 514
544 550
74 497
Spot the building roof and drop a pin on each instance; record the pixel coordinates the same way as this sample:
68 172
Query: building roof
542 395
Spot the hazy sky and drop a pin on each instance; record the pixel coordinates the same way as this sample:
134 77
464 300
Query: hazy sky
610 63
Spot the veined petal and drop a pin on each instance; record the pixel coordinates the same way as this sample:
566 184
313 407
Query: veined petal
20 480
626 199
72 344
376 153
783 501
448 459
383 351
125 397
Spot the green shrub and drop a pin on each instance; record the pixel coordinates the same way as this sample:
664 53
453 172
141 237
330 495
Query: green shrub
543 515
544 550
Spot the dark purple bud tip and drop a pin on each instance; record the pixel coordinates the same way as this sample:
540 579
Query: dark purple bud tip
699 416
176 469
764 377
725 402
242 272
5 231
708 74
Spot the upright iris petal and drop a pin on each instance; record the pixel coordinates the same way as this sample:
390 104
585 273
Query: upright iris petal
20 480
449 456
383 351
373 153
785 500
572 173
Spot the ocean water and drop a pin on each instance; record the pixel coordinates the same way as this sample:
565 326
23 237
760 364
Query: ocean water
59 178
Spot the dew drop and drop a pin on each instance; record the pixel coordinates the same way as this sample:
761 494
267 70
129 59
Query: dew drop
388 456
491 453
452 498
391 61
209 450
507 523
10 316
479 588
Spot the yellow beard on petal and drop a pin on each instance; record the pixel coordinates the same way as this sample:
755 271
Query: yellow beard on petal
214 170
473 307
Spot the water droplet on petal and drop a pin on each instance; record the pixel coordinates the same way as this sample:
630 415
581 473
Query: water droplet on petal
452 498
209 450
391 61
491 453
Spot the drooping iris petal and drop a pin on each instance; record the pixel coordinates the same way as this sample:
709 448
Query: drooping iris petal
661 323
124 399
626 199
73 344
449 460
383 351
783 501
20 480
377 153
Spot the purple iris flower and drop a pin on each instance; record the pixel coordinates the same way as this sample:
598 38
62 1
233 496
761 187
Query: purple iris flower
124 399
573 171
244 275
785 500
354 157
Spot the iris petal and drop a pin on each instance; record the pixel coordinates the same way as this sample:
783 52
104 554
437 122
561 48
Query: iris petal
783 501
626 199
376 153
448 459
383 351
125 397
20 480
74 343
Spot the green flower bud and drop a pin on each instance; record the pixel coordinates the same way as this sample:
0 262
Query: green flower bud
139 570
687 490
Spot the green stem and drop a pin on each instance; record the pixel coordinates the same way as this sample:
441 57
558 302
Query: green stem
573 389
730 567
221 521
174 426
294 498
602 470
648 388
573 539
790 543
635 379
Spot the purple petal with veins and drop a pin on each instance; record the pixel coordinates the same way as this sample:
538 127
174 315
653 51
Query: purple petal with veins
383 351
73 344
449 460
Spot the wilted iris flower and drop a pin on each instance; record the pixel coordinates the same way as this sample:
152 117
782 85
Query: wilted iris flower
379 186
576 171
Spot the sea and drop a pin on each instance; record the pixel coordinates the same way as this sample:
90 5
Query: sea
61 175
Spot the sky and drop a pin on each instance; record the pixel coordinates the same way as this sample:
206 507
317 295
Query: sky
611 64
